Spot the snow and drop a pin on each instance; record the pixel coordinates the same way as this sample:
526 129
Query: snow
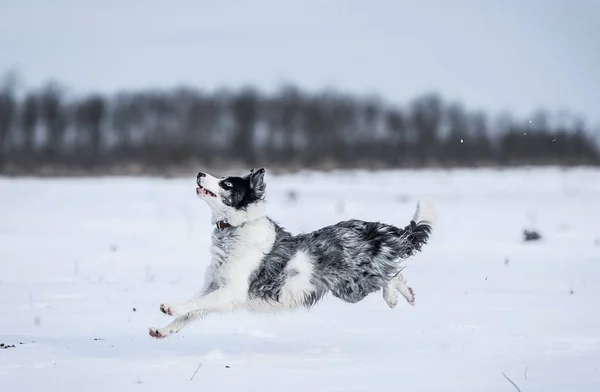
78 255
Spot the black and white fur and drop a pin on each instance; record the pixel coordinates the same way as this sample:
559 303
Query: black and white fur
259 266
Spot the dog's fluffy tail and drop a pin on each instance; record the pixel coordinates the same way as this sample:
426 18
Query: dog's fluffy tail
417 233
425 214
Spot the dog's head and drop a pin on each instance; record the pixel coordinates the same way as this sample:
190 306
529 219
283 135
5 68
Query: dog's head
232 199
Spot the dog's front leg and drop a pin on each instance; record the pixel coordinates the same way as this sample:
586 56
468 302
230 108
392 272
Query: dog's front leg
176 325
186 318
219 300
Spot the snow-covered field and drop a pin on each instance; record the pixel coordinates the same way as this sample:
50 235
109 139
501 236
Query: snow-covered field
85 263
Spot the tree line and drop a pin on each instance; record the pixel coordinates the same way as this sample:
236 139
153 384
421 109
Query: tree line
288 129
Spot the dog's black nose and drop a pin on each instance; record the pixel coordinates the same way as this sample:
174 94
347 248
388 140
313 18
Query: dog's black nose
200 175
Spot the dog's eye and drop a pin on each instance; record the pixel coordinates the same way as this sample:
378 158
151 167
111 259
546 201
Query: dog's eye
228 184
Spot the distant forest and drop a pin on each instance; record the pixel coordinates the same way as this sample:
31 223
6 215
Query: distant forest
46 130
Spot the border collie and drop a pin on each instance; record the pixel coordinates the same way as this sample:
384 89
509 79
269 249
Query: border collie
259 266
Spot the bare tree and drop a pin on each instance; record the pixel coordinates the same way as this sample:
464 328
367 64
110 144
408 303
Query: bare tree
397 126
8 109
160 128
29 120
426 120
245 113
54 117
89 114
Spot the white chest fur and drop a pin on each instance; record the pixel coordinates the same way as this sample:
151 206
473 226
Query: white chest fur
237 253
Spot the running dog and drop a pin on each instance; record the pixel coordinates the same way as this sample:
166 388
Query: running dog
259 266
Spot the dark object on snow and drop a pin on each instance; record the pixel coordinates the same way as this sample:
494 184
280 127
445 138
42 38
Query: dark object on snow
6 346
134 309
531 235
292 196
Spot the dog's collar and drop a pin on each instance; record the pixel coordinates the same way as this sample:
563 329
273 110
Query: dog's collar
222 225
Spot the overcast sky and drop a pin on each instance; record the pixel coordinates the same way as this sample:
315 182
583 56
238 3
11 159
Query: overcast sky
497 54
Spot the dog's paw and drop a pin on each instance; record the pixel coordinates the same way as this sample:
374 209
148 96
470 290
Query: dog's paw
167 309
410 298
390 297
392 301
157 333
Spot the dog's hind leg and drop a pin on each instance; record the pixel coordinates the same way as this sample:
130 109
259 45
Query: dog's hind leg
406 291
389 295
176 325
398 283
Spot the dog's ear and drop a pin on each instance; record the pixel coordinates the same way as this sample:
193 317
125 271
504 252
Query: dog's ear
257 180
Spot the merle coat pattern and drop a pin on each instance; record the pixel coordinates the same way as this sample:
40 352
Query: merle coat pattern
257 265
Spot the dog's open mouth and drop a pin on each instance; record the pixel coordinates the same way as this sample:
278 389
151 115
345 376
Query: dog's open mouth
204 191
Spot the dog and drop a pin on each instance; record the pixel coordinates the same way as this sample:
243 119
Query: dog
259 266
